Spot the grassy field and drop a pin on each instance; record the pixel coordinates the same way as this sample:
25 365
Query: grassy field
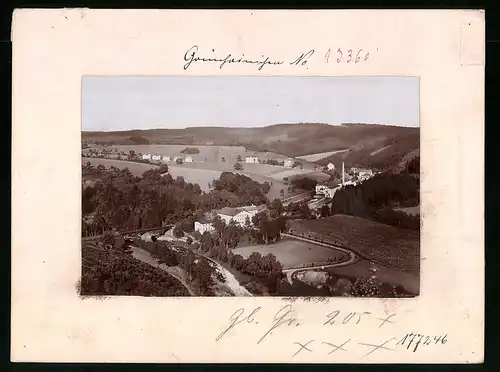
320 155
384 244
137 169
194 175
292 253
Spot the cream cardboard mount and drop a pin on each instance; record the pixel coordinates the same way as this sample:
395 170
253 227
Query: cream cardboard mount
53 49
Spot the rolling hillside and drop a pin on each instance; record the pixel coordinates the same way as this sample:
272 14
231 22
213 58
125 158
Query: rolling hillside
377 146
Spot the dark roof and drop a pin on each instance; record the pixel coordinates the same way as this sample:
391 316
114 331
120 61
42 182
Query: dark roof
229 211
205 220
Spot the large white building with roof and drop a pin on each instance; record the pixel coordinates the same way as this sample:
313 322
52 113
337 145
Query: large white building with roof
239 215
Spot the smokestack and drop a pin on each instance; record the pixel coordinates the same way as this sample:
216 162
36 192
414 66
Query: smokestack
343 174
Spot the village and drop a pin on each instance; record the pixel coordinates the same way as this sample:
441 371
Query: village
322 196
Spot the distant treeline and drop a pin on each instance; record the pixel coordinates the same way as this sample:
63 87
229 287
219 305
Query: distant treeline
190 150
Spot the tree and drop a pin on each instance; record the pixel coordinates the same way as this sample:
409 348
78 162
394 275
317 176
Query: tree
252 266
163 168
276 208
325 211
179 161
282 193
178 233
206 242
131 155
189 240
237 261
238 158
238 166
223 159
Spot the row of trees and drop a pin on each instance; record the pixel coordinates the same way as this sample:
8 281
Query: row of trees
125 202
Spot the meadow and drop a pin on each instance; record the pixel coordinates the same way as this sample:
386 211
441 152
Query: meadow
320 155
384 244
137 169
293 253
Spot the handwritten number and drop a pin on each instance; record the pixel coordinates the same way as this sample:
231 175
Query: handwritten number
331 317
348 318
444 340
340 58
357 56
403 340
327 55
427 340
349 55
367 56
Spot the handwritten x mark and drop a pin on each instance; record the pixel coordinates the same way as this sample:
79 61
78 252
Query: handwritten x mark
386 320
377 347
302 347
336 347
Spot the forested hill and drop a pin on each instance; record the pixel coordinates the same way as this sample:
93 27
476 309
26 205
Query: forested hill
367 143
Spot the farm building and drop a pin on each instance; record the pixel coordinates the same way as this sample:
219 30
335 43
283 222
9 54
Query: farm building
289 163
146 157
252 160
203 225
238 215
188 159
166 158
156 157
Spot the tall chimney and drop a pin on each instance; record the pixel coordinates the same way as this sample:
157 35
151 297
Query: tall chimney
343 175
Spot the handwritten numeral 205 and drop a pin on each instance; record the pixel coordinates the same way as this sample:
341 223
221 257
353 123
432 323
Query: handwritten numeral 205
348 56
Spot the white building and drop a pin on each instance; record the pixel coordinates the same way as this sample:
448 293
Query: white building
238 215
202 226
365 173
330 166
156 157
289 163
146 157
252 160
166 158
188 159
327 191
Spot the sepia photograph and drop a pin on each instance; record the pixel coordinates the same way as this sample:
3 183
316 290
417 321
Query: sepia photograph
250 186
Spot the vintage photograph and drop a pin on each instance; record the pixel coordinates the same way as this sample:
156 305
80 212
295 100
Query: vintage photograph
250 186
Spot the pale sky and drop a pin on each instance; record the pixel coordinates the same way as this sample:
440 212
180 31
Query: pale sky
112 103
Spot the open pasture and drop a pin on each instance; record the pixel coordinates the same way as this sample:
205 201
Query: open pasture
292 253
137 169
320 155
